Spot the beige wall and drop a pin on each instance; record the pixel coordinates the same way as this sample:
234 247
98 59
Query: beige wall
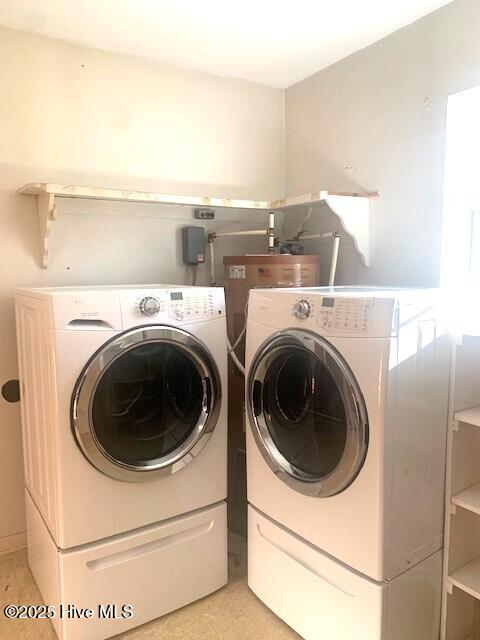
376 121
74 115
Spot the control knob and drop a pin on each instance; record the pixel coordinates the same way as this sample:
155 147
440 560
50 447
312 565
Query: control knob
149 306
301 309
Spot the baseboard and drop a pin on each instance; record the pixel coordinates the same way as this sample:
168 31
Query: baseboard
13 542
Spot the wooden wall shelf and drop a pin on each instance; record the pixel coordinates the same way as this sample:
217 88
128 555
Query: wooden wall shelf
351 208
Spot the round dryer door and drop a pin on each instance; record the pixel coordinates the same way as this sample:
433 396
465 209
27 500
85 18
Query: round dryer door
307 413
146 403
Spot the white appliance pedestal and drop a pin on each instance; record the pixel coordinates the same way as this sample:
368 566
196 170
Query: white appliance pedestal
321 598
156 569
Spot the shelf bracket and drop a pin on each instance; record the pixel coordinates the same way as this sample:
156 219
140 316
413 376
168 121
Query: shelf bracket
47 213
449 586
455 425
452 509
354 216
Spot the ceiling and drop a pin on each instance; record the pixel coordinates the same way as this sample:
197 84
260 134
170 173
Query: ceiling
275 42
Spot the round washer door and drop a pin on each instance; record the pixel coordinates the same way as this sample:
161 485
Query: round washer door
146 403
307 413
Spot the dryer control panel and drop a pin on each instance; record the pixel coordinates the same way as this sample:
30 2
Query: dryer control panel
336 313
345 314
171 306
328 311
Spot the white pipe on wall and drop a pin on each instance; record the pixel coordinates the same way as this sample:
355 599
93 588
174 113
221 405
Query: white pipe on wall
333 264
212 263
271 232
335 248
250 232
312 236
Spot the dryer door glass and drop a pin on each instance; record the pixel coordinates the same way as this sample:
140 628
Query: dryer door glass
308 414
146 402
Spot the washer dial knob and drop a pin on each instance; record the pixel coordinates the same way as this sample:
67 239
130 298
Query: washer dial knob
301 309
149 306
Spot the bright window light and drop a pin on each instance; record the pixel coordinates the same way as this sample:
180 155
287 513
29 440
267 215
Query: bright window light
460 265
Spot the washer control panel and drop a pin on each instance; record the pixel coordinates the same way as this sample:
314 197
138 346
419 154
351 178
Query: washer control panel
189 306
171 305
345 314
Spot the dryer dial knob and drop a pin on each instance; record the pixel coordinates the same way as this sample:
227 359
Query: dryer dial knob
149 306
301 309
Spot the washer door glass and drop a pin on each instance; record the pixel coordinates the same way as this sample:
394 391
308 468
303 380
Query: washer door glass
146 403
308 414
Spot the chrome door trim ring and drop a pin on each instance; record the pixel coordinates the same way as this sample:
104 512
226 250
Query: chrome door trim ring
87 383
356 445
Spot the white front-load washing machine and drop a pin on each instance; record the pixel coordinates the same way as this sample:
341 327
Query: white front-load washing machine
346 395
124 433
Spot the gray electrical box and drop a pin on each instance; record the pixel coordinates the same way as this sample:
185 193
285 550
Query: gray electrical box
193 245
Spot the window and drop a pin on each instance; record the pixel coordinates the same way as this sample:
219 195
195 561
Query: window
461 219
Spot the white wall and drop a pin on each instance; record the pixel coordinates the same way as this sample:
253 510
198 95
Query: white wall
70 114
376 121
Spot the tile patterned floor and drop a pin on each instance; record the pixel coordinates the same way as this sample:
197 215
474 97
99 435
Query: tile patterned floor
232 613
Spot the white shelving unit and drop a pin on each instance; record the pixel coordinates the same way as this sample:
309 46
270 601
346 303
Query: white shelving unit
467 578
352 209
469 498
461 592
469 416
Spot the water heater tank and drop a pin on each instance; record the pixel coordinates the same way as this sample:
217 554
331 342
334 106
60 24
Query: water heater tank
242 273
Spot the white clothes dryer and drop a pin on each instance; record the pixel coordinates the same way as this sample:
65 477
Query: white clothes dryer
347 392
124 431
